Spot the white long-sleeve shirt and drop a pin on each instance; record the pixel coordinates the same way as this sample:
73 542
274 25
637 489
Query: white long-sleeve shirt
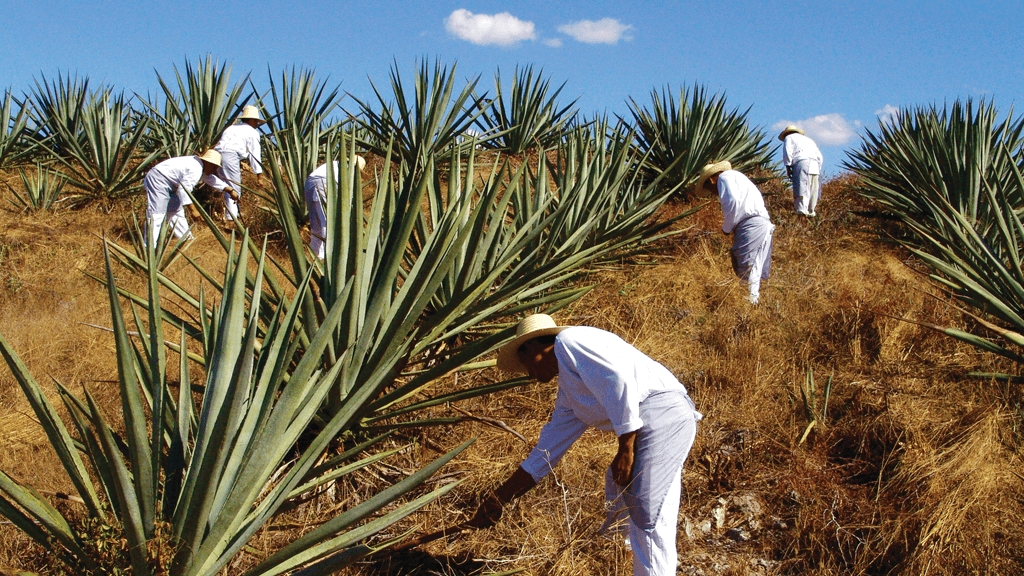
740 199
798 147
243 140
602 380
321 171
175 175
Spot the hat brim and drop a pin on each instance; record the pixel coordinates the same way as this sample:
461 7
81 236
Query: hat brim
704 178
508 355
785 133
260 120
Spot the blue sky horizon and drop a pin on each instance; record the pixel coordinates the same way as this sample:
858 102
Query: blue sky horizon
833 68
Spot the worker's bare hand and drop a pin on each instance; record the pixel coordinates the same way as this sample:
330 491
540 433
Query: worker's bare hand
232 194
622 464
622 468
488 514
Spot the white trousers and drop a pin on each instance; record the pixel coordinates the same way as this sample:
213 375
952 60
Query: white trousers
231 173
654 548
751 253
315 192
760 260
177 223
806 187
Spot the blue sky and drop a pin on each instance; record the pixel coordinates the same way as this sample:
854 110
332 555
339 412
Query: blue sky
830 66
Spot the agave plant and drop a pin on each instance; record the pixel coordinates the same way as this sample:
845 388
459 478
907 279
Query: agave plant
694 131
97 136
41 190
197 107
14 133
57 110
187 486
423 129
954 178
930 157
527 115
299 121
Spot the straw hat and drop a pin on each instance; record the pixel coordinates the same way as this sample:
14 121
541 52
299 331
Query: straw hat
790 130
360 162
533 326
251 113
710 170
211 156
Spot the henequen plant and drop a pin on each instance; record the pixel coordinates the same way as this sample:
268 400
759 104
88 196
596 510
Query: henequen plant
97 136
527 115
424 121
954 178
41 190
694 131
187 488
14 141
196 108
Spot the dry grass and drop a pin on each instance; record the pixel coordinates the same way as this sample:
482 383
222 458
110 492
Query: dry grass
914 472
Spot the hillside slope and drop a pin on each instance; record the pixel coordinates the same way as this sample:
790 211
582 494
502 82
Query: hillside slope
915 468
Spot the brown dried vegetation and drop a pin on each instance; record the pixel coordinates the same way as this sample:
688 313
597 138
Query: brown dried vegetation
915 471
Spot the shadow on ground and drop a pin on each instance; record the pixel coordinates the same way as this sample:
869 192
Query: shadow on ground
418 563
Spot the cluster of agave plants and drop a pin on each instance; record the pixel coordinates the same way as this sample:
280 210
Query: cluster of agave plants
295 373
954 176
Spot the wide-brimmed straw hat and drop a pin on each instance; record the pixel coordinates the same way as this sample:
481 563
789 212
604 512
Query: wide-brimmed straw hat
533 326
251 113
360 162
710 170
791 129
211 156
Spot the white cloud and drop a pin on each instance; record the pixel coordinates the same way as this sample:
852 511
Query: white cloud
603 31
888 114
502 29
826 129
553 42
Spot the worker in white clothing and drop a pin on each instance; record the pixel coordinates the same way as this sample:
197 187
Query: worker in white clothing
315 192
745 216
803 164
167 186
239 142
605 383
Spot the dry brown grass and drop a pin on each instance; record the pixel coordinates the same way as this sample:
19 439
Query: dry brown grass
915 471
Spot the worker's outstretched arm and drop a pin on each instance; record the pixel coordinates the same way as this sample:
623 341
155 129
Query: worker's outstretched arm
489 512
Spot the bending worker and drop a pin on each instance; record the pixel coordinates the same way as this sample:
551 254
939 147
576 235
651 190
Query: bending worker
315 191
605 383
239 142
167 186
745 216
803 164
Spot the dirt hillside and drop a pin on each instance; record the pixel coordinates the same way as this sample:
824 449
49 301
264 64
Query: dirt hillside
914 469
